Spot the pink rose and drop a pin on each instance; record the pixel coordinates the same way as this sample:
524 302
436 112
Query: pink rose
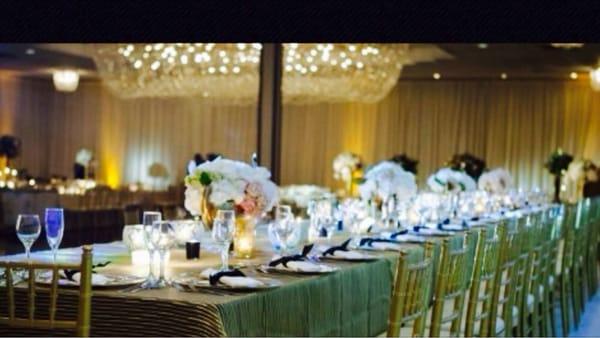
248 205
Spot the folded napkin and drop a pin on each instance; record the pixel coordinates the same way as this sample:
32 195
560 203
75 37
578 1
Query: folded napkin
379 243
342 251
285 260
97 278
233 278
69 273
304 266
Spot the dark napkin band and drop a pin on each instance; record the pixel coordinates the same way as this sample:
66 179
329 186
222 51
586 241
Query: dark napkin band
342 247
284 260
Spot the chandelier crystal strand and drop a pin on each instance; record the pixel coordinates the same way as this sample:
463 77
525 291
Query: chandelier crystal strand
321 72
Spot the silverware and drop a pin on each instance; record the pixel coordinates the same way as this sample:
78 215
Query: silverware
192 288
132 289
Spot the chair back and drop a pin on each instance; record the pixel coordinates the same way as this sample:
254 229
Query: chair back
410 298
481 292
81 325
451 284
505 287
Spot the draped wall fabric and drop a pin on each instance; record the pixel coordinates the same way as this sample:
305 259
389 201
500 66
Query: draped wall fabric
508 123
515 124
127 136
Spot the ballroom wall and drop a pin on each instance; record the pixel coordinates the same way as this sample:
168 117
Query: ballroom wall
509 123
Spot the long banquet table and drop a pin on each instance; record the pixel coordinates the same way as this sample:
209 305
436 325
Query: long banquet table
352 301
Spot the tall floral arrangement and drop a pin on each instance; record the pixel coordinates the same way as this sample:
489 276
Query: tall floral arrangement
447 179
386 179
224 183
557 165
495 181
345 166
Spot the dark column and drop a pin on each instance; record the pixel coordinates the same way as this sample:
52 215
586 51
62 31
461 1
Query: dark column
269 109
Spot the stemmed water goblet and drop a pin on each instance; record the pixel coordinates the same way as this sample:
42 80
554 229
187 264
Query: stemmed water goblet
55 226
162 238
148 219
28 230
222 233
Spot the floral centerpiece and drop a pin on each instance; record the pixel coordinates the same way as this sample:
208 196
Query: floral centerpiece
345 167
387 179
298 196
573 181
407 163
495 181
467 163
449 180
229 184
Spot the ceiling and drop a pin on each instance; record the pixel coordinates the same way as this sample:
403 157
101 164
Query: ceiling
451 61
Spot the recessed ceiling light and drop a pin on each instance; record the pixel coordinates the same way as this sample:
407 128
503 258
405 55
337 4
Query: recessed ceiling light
573 75
503 76
30 51
482 45
437 76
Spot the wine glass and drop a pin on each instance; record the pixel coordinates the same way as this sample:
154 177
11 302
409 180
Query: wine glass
148 219
326 221
283 227
28 230
55 226
162 238
222 234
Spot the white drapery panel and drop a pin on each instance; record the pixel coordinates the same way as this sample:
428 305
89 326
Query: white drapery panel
515 124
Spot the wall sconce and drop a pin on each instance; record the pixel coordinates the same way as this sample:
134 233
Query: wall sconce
65 80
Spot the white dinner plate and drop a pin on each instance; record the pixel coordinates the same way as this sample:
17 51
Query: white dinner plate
282 269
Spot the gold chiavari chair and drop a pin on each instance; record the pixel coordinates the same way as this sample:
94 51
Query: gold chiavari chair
481 292
566 266
579 268
551 232
592 251
504 296
536 283
81 325
451 286
410 298
520 279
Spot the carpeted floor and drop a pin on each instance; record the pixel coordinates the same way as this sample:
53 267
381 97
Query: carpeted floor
590 322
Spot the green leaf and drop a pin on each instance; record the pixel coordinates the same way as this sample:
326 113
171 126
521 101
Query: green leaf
205 179
359 180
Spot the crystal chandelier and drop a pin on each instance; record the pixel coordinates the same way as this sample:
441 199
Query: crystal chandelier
320 72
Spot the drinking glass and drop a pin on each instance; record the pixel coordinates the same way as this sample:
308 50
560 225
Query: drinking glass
282 229
326 221
222 234
55 226
148 219
28 230
162 238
